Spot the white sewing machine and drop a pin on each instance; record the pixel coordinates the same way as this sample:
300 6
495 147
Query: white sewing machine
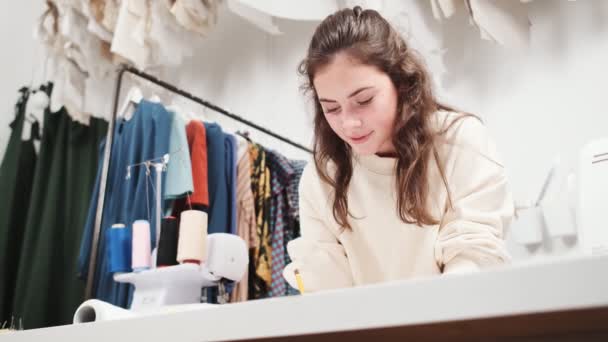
174 288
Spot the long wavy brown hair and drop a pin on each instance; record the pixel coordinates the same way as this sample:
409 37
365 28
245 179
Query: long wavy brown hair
368 38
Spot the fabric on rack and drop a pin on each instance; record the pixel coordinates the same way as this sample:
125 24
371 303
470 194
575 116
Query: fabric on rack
111 11
293 196
259 262
129 39
47 292
80 46
218 183
224 206
179 170
197 142
96 95
69 90
94 11
231 155
196 15
144 136
281 173
46 30
504 22
245 212
169 42
16 177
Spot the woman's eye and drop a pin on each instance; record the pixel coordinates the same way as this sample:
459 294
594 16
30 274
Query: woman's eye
364 102
332 110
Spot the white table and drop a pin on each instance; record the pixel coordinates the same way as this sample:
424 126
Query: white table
566 297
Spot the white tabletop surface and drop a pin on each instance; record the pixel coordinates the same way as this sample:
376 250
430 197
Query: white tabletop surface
572 283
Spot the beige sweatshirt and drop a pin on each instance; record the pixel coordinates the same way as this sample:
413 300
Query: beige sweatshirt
380 246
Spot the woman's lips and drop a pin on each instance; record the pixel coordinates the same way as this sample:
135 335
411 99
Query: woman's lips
361 138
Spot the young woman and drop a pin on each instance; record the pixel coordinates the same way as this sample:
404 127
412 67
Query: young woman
402 186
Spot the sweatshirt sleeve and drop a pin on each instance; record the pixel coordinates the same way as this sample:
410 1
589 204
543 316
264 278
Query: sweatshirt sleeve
317 254
471 232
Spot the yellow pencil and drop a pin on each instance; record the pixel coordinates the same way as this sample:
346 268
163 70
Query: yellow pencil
299 281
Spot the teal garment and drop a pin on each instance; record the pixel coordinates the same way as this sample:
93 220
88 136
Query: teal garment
16 177
47 290
145 136
179 171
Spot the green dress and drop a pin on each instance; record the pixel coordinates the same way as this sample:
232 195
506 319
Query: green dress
16 175
47 289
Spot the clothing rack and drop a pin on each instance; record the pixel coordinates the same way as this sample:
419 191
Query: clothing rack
108 150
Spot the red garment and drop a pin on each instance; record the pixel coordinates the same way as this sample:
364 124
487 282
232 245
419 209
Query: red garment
197 141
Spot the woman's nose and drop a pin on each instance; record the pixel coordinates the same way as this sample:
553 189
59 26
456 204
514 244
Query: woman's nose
350 121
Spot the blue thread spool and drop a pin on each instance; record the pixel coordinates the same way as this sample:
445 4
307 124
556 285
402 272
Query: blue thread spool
119 248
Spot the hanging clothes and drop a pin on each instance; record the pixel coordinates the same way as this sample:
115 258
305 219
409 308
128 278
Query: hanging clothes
293 197
195 15
281 172
259 261
168 41
231 155
47 292
144 136
16 178
218 181
129 40
179 170
197 143
246 227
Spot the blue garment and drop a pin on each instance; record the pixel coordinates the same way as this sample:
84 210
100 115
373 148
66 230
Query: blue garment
231 161
217 178
179 170
143 137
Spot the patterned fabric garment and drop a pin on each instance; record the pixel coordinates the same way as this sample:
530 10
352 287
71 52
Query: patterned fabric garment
259 265
293 230
246 228
281 172
293 196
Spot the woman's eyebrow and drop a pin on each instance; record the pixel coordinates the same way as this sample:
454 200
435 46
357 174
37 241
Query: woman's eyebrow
349 96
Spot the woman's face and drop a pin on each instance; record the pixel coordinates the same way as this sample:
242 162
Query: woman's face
360 104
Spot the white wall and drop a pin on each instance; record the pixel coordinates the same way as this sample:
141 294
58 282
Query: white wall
253 74
19 51
541 102
537 103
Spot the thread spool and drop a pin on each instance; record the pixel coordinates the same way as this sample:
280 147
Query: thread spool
119 248
192 244
141 256
167 244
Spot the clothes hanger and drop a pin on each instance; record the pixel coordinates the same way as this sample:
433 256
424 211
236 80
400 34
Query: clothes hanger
175 108
155 98
244 134
133 98
202 115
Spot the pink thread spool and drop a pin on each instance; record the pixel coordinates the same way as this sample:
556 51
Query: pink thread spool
141 256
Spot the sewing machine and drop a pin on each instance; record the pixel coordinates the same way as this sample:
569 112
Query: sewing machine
174 288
